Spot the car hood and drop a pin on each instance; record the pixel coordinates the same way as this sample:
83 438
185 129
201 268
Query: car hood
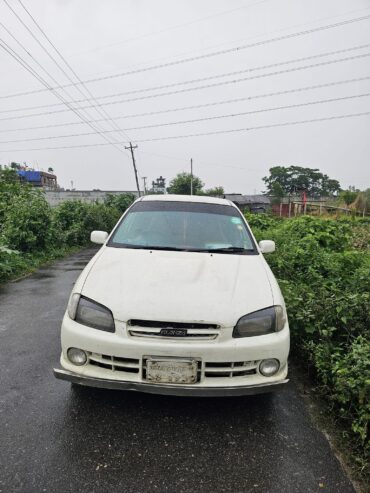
178 286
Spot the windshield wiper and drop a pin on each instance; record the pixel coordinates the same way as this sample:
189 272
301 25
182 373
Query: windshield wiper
231 249
155 247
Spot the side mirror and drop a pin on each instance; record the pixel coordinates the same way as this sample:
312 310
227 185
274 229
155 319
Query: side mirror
267 246
99 237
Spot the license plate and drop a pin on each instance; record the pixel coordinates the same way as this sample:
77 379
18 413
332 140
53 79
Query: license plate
171 371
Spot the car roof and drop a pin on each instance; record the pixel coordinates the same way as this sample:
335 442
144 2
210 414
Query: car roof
187 198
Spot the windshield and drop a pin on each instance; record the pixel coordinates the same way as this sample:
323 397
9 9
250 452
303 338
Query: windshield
186 226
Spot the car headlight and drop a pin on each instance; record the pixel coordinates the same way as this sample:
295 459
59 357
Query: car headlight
90 313
73 304
261 322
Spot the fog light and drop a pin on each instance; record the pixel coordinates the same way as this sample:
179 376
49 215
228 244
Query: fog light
268 367
77 356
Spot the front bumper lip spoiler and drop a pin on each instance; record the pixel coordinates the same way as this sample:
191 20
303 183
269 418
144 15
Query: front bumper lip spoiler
167 389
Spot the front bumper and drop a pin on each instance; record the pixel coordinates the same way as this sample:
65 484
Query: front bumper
226 366
167 389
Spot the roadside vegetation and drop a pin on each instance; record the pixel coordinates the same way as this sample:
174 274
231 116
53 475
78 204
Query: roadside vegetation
322 265
32 233
323 268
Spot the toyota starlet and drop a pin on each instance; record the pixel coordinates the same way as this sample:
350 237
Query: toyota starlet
178 300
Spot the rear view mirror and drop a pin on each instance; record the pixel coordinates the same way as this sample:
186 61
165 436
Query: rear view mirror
267 246
99 237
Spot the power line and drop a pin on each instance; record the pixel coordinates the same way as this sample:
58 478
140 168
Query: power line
203 79
95 127
25 65
256 36
205 105
261 127
101 110
197 120
208 55
206 86
252 112
43 48
195 21
79 113
201 134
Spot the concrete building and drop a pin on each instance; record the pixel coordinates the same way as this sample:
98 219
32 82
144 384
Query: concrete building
159 185
41 179
55 197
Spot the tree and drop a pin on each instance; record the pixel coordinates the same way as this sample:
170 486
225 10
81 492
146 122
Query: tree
181 184
295 179
215 192
348 196
27 222
8 175
121 201
362 202
277 190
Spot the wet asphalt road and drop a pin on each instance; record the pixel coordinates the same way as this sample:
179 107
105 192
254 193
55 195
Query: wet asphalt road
56 439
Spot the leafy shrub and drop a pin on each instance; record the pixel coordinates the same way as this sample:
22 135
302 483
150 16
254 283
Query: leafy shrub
75 219
344 371
9 261
39 233
120 202
69 218
323 269
261 222
26 222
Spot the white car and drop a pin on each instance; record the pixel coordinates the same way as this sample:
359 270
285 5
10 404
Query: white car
179 300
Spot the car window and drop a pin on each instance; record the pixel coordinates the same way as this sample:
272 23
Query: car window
183 226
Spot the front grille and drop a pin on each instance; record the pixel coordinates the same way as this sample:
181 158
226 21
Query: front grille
154 328
205 370
230 369
115 363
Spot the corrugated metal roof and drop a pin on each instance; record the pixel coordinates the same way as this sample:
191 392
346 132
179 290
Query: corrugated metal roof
247 199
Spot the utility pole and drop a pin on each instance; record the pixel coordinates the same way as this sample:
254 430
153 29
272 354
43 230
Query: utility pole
191 176
144 180
131 147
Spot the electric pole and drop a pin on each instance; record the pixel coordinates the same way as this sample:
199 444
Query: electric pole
191 176
131 147
144 180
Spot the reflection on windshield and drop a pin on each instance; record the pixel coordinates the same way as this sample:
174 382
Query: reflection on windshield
183 226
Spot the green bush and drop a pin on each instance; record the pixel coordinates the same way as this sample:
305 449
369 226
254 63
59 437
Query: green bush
69 219
10 262
323 269
74 220
31 232
26 222
261 222
344 372
120 202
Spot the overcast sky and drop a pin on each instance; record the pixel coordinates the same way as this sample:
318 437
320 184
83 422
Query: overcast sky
100 39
